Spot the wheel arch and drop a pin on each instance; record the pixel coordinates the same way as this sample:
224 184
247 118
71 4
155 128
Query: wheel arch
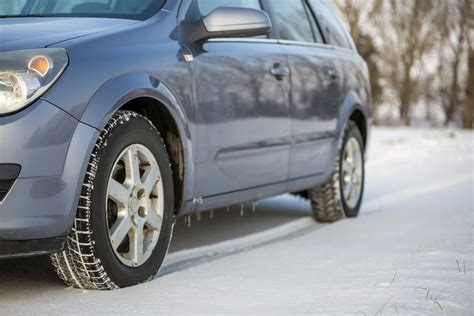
150 97
353 109
359 119
161 118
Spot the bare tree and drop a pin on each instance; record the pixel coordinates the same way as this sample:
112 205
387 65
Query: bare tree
452 51
416 50
406 29
468 110
358 13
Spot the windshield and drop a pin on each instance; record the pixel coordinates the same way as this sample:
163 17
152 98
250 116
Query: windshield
132 9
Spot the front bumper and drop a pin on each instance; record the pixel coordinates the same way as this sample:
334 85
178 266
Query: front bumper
53 149
21 248
8 174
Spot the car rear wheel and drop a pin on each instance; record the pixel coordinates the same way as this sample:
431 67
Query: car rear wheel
341 196
125 216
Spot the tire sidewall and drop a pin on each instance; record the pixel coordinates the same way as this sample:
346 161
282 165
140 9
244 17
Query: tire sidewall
137 130
352 131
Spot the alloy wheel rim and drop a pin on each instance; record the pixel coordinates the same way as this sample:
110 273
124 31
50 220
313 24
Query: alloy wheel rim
135 205
352 173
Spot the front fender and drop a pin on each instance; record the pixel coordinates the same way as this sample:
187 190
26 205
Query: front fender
124 88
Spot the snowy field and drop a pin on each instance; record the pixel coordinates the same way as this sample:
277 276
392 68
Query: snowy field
409 252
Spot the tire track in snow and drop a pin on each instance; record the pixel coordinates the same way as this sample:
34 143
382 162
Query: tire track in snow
185 259
189 258
374 205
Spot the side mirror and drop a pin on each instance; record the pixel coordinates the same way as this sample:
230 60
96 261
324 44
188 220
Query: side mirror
231 22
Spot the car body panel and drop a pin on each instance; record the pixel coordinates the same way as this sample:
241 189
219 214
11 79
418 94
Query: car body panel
315 106
31 33
98 58
37 139
43 200
356 95
237 149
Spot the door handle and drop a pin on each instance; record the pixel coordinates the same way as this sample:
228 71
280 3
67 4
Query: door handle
280 71
332 73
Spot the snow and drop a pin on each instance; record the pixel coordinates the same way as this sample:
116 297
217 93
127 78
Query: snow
409 252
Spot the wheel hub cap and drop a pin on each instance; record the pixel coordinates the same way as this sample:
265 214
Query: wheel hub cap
134 206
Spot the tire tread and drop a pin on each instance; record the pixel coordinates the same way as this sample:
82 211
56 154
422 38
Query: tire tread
77 265
326 199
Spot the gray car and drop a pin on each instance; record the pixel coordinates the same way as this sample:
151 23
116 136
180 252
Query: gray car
118 116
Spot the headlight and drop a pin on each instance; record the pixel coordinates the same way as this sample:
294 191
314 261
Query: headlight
26 75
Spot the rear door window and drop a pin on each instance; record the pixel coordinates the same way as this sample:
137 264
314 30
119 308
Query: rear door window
292 20
316 29
330 24
207 6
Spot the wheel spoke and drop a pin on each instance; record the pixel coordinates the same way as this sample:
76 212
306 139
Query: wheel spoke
120 230
350 154
118 192
357 160
153 220
356 191
348 189
132 166
136 245
354 149
353 196
358 174
346 168
151 177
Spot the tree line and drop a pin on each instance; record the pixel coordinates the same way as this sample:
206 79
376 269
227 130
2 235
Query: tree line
420 55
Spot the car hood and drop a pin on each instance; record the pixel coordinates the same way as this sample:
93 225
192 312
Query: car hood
29 33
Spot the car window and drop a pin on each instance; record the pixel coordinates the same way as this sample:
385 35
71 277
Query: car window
292 20
115 6
206 6
139 9
10 6
316 29
330 25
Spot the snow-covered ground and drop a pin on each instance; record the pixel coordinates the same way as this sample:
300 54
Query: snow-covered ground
409 252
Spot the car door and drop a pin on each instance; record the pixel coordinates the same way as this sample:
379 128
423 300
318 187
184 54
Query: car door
243 128
315 84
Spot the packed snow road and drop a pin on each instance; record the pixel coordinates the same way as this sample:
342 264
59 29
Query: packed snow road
409 252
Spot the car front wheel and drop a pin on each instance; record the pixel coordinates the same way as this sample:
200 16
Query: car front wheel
124 220
341 196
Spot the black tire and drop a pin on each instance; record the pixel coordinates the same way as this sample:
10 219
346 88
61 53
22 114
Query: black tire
327 200
88 260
